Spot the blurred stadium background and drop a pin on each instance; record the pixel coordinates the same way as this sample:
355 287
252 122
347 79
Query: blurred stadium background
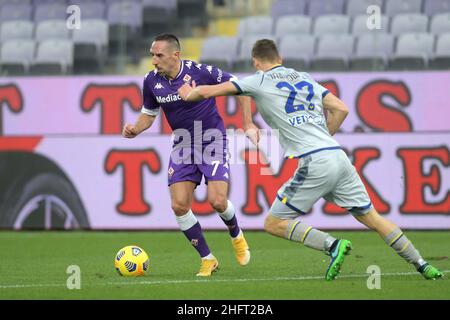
71 76
65 94
312 35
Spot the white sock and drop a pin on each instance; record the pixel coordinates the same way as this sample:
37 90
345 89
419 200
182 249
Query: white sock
186 221
209 257
228 214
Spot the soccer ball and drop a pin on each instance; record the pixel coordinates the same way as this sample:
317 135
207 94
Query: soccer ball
131 261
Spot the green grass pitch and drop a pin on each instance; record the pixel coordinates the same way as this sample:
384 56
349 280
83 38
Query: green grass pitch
33 266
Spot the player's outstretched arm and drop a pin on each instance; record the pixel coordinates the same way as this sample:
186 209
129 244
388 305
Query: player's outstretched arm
144 122
251 130
337 112
194 93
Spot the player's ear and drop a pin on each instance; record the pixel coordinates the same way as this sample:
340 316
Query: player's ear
255 62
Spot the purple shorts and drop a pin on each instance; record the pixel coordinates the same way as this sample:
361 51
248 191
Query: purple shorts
191 164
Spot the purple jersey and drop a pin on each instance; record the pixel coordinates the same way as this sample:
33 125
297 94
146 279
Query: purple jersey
160 92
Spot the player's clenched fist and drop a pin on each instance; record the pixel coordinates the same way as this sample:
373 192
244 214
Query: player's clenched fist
129 131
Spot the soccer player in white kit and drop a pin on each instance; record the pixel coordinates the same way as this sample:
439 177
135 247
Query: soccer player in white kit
294 104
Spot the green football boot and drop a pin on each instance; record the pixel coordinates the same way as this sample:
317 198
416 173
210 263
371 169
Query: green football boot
429 272
338 254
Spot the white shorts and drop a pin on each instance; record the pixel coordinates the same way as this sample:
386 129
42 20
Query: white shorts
327 174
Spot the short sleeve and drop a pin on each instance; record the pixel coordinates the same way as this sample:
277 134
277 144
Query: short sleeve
214 75
248 86
150 105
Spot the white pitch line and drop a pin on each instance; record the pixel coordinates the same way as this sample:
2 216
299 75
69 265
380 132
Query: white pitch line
211 280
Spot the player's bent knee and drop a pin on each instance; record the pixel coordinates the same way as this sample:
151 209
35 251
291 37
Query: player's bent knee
219 203
180 209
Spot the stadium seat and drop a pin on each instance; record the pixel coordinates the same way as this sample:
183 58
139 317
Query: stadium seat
158 16
372 51
16 29
53 57
440 23
323 7
39 2
243 61
432 7
292 24
92 10
191 47
255 25
52 29
3 2
10 12
219 51
412 51
394 7
83 2
359 7
409 22
359 25
288 7
333 52
297 50
90 46
50 11
441 58
331 23
226 26
15 56
125 28
192 13
109 2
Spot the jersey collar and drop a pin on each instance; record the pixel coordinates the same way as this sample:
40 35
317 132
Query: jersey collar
179 72
274 67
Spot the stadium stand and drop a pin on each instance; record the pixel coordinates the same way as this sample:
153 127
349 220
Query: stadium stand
50 11
440 23
288 7
91 46
324 7
412 51
297 50
52 29
333 52
372 51
359 25
11 11
292 24
331 23
432 7
394 7
117 32
53 56
409 22
16 29
359 7
441 58
219 51
16 56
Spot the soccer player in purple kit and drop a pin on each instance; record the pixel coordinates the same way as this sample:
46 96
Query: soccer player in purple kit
160 90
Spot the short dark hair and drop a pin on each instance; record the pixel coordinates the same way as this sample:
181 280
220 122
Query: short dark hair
170 38
265 49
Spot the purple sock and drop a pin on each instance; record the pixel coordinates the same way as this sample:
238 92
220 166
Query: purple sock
195 236
232 226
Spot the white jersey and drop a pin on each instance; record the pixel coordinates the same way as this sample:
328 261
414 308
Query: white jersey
291 102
